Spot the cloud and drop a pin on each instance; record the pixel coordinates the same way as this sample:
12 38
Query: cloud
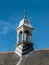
5 27
11 24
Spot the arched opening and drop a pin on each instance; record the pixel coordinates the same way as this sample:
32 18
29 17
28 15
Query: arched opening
20 36
27 33
28 39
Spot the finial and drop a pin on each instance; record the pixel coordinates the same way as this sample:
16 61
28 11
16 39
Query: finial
24 14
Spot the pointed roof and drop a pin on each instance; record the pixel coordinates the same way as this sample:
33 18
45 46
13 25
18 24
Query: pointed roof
24 14
25 21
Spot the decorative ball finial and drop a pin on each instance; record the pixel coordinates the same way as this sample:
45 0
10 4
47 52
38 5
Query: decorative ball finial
24 14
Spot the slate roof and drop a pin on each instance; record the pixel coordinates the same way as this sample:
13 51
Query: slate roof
8 58
38 57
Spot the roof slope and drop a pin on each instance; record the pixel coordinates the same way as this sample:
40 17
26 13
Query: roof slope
8 58
40 57
36 58
25 22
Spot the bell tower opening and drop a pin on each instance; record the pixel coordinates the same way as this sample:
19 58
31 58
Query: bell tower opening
27 38
20 37
24 37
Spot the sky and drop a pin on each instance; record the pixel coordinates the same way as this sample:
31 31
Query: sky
12 11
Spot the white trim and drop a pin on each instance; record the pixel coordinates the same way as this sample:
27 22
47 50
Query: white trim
18 53
17 49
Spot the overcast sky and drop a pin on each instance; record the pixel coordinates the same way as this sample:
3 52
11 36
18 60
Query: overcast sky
12 11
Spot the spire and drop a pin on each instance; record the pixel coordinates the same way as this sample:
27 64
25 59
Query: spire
24 14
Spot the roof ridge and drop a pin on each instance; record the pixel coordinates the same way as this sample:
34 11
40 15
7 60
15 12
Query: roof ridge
7 52
45 49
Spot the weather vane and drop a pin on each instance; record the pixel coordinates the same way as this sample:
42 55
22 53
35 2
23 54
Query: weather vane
24 14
